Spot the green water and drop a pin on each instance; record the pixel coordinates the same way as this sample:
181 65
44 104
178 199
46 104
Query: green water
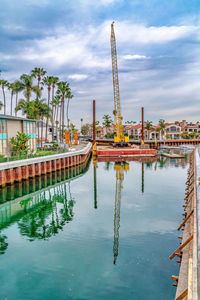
68 236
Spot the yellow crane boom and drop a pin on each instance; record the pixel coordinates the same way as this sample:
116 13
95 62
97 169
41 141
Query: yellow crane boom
117 110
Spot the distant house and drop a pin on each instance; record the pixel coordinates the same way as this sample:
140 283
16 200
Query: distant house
10 125
173 131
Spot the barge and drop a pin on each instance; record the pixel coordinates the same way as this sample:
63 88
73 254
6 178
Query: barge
107 151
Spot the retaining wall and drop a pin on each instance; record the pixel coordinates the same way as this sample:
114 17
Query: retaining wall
16 171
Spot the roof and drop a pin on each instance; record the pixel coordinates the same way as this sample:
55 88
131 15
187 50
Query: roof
192 126
2 116
172 124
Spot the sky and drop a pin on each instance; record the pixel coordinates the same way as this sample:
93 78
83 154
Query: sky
158 48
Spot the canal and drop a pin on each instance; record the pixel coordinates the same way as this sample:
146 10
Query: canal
93 233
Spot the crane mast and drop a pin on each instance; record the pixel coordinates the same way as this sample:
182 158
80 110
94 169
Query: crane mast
117 109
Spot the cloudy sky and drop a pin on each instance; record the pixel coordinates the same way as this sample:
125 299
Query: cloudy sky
158 44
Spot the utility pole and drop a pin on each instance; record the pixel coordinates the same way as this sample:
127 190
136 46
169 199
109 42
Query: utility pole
142 141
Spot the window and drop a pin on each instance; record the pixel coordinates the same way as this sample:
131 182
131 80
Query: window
173 128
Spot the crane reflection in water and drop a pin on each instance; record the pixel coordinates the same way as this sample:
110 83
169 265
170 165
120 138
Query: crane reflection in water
119 167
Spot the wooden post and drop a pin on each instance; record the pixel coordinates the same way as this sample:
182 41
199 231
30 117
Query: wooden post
181 247
94 122
142 124
183 223
183 295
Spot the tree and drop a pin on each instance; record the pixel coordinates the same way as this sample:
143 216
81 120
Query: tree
11 87
148 127
81 122
185 135
55 110
161 128
130 122
54 82
48 82
19 143
28 87
4 83
86 129
193 135
18 87
64 92
68 96
107 121
27 108
39 73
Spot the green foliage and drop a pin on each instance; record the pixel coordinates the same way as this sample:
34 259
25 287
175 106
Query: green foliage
193 135
109 135
86 129
19 143
107 121
130 122
148 125
185 135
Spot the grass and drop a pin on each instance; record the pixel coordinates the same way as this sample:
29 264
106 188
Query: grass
39 153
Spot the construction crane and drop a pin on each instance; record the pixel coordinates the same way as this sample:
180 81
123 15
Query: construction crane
119 168
119 138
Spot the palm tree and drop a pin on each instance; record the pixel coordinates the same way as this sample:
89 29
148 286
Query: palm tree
28 87
64 92
27 108
68 96
4 83
39 73
54 82
1 105
11 87
45 112
81 123
55 105
18 88
107 121
148 127
162 127
48 82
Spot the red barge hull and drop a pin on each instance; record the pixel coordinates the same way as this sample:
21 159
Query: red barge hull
109 152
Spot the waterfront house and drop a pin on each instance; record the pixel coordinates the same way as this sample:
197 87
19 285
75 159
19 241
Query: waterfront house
10 125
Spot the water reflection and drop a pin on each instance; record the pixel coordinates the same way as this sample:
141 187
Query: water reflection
119 167
53 210
41 206
95 182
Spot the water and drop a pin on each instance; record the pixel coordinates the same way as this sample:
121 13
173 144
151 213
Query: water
65 238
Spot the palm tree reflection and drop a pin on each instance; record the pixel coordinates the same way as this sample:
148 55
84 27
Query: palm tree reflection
3 244
50 215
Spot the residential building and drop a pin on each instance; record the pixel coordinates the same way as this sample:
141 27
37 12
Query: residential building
10 125
173 131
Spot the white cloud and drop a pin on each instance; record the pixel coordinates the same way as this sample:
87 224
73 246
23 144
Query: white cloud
135 56
78 76
84 53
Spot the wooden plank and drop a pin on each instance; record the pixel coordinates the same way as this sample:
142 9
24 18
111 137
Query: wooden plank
175 278
183 223
181 247
183 295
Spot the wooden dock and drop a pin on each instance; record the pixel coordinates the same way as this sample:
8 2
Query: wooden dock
186 252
